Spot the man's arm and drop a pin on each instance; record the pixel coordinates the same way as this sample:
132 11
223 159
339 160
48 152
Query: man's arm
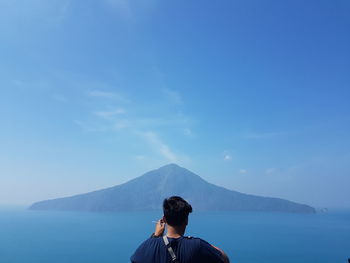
210 253
224 256
160 227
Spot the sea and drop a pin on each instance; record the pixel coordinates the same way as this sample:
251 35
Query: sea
247 237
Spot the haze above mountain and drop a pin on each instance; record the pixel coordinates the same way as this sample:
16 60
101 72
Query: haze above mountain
149 190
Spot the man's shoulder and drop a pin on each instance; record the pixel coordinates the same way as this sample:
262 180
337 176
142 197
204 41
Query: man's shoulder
152 241
196 239
145 249
185 240
190 240
205 251
196 242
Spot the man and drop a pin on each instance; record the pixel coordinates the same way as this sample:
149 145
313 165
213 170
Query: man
174 246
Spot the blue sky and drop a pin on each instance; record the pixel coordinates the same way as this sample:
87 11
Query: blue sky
251 95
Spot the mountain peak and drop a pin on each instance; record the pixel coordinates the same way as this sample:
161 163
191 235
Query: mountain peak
170 166
173 169
172 173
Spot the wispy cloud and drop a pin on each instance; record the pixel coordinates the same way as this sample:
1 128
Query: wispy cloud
243 171
227 157
138 118
109 115
116 120
107 95
159 146
119 120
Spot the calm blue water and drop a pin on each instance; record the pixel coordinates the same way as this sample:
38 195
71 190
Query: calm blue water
31 236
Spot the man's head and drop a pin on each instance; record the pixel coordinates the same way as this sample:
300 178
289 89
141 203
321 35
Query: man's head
176 211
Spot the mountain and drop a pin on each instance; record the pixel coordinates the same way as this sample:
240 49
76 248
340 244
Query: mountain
149 190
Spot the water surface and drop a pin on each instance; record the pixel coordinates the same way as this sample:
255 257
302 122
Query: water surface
74 237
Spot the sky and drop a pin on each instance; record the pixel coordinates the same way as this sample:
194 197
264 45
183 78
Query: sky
250 95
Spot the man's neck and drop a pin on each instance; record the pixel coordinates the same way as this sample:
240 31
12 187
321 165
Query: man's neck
175 231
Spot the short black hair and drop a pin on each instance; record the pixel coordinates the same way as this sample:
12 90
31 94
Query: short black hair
176 210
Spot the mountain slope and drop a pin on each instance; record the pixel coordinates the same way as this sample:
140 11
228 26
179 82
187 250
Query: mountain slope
148 191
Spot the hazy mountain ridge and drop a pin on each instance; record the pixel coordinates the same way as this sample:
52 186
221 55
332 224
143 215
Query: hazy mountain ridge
148 191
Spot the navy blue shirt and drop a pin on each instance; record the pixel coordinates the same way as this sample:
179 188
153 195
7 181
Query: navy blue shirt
187 249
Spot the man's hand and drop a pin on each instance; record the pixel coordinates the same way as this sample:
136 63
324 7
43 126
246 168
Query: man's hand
160 226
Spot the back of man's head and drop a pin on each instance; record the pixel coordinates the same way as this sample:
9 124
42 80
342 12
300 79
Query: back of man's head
176 210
